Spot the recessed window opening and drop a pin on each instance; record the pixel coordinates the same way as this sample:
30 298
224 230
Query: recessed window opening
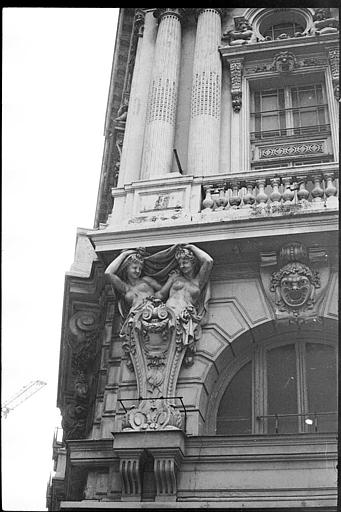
289 111
297 392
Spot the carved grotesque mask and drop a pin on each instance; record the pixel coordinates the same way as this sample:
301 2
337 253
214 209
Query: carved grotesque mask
295 285
295 289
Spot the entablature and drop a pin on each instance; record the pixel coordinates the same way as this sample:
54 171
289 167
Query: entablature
266 49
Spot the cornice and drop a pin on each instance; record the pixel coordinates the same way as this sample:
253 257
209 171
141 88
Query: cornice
263 48
196 232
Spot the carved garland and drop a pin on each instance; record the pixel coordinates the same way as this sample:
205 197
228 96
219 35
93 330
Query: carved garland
236 70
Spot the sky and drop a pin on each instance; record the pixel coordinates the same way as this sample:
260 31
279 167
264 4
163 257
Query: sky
56 71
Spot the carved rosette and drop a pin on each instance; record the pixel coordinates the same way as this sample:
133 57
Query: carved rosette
156 343
295 286
84 333
236 71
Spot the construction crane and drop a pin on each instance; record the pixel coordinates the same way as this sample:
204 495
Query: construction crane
30 389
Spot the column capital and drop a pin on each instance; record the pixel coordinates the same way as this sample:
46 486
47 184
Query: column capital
180 13
200 10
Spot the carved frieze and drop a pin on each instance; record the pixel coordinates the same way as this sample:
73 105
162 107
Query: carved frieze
271 66
284 150
295 281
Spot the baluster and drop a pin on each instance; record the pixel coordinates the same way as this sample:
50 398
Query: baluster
302 193
249 198
227 197
288 194
261 197
275 196
330 191
208 202
221 200
235 198
317 192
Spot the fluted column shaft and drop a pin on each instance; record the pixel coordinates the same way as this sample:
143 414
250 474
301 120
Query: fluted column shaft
130 165
204 133
160 127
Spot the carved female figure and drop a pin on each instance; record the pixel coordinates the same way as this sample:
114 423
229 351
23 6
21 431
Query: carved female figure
134 288
242 33
324 23
185 284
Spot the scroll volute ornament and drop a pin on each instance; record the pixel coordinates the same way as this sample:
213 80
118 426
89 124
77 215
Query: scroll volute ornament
293 282
83 339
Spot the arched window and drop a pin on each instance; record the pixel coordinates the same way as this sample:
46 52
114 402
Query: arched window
278 23
283 388
279 30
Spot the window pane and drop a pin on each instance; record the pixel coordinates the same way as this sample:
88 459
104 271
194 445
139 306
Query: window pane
234 414
322 384
282 388
269 101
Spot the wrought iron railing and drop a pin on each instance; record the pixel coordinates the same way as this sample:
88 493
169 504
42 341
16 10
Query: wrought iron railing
309 418
290 132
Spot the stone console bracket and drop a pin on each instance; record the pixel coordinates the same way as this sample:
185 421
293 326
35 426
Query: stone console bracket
132 448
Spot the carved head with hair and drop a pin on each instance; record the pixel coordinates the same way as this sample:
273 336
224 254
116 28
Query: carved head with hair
322 13
187 261
132 266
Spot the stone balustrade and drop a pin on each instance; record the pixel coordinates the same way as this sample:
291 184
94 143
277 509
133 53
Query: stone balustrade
252 194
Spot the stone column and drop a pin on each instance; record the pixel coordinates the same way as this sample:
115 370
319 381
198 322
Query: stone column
204 132
130 165
160 128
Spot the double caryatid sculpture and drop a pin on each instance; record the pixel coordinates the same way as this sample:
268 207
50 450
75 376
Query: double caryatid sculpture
162 300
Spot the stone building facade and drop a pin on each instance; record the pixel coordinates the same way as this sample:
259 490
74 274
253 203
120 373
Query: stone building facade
214 386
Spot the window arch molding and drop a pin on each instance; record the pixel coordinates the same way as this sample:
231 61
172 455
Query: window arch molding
255 352
261 18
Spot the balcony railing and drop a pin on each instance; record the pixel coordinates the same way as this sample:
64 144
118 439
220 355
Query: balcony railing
272 193
291 132
291 122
